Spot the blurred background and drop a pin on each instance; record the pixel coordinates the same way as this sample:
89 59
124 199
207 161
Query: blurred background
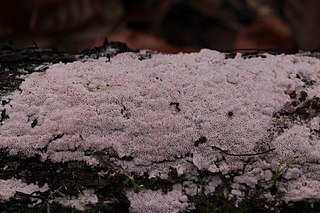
168 26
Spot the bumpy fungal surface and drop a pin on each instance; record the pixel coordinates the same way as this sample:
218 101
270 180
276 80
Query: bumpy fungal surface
255 118
9 187
157 201
84 198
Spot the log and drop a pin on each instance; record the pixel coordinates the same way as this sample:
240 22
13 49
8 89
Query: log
111 130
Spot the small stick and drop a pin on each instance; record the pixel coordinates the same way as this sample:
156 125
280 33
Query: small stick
243 155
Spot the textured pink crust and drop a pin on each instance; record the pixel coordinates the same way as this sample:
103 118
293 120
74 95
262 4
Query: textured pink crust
184 111
157 201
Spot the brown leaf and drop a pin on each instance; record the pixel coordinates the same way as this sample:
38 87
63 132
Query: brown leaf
304 18
264 33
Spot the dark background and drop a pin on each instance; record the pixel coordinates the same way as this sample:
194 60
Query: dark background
164 25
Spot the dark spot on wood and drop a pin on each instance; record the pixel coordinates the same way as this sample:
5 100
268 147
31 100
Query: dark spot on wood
303 113
308 82
125 112
273 189
34 123
230 113
4 102
288 108
315 103
303 95
58 136
253 54
307 104
230 55
144 56
294 103
175 106
173 173
127 158
201 140
164 190
293 94
4 115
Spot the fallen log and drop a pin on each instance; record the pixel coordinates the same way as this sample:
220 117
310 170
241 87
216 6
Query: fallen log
147 132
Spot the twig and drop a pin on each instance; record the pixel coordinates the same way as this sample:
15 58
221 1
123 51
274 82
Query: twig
243 155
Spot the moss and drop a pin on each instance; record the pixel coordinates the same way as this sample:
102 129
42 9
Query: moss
275 179
102 207
220 203
309 206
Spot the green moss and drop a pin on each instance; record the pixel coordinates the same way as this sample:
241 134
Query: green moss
275 179
102 208
46 207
